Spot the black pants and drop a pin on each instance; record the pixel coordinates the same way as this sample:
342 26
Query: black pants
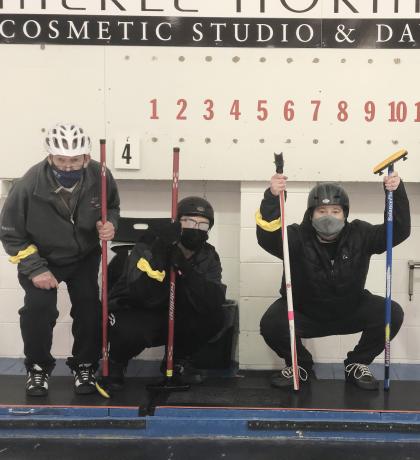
368 317
39 314
132 330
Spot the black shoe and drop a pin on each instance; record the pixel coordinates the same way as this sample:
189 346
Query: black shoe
84 379
116 375
361 376
284 379
184 371
37 382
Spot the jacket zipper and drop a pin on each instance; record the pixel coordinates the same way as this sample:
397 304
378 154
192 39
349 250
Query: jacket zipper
72 219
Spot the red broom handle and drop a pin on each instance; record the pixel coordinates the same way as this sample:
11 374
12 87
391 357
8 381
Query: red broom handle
172 279
104 211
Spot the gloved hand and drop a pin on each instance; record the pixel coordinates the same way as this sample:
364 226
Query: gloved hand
179 262
169 234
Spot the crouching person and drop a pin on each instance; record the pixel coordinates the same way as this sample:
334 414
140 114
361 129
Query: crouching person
329 263
139 300
50 226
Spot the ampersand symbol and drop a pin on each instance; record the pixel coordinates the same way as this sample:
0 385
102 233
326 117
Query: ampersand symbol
341 35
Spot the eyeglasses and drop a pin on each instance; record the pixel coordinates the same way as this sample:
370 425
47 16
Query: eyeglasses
72 163
191 223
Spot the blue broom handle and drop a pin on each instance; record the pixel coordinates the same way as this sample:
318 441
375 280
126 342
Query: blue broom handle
389 239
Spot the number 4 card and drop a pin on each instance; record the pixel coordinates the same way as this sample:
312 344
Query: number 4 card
127 153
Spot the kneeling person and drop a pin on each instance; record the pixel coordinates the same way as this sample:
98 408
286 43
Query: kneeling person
139 300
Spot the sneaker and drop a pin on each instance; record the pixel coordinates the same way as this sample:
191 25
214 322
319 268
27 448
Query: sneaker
361 376
184 371
84 379
37 382
284 379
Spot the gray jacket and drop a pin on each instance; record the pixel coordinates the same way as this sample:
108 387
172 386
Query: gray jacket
39 227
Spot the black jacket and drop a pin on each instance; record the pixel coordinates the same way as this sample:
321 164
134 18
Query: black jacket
200 286
322 289
35 213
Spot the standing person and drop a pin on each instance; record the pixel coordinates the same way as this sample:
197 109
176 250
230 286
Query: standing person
139 300
51 227
329 261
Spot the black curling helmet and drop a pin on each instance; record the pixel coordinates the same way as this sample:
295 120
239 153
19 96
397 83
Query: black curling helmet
329 193
196 206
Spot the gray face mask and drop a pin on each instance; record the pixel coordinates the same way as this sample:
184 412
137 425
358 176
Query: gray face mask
328 227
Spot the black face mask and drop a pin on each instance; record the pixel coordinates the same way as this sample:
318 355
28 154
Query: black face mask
193 239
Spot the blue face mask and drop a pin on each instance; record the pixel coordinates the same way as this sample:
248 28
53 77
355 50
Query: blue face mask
67 178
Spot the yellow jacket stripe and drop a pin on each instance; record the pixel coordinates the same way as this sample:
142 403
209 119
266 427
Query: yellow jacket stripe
31 249
144 266
267 226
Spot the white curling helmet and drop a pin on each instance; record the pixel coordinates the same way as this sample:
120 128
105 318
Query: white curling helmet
67 139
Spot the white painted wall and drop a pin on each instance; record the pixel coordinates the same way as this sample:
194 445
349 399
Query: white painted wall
110 89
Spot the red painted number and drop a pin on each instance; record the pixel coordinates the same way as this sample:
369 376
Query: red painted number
417 119
398 111
209 109
288 110
154 115
182 103
234 110
316 109
342 111
263 112
370 111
